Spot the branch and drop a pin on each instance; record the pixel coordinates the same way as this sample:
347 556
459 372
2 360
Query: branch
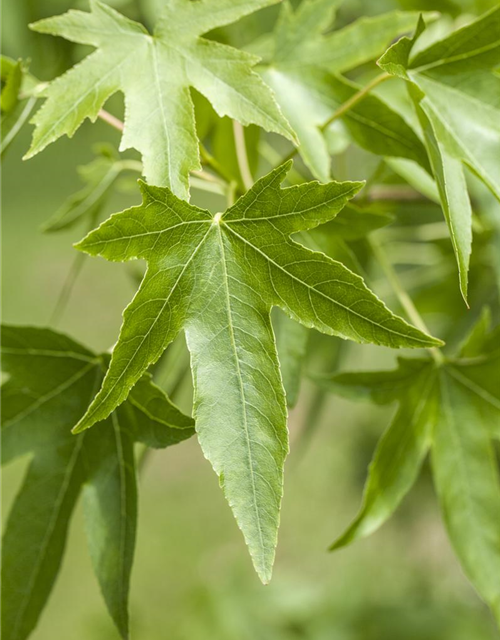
347 106
111 120
242 156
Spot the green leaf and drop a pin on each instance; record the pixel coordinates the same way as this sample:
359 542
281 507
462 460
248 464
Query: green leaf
12 76
341 50
99 175
400 451
217 277
454 409
355 222
304 76
466 476
17 99
51 381
455 91
291 343
477 338
155 73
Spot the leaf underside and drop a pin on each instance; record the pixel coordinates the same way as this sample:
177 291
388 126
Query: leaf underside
217 278
155 72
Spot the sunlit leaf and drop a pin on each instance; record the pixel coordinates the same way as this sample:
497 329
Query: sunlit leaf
155 73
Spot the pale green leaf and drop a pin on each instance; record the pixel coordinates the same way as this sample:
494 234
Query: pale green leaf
217 277
155 73
340 50
456 92
304 76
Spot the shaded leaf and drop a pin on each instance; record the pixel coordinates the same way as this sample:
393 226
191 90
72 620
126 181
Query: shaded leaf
51 380
291 344
453 408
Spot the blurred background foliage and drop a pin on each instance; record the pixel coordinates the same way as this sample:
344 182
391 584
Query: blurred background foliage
192 577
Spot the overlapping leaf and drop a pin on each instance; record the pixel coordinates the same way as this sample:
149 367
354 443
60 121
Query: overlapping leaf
455 88
217 278
155 73
453 410
51 381
304 74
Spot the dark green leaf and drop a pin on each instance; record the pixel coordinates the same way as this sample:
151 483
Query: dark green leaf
51 381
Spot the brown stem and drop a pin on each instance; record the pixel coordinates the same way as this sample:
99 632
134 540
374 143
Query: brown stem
111 120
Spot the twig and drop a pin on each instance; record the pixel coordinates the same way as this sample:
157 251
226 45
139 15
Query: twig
114 122
209 160
354 99
111 120
241 155
67 288
344 108
401 294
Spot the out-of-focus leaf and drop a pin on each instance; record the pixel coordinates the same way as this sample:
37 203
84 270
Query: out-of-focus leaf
224 149
155 74
12 76
17 99
302 75
100 176
355 222
51 380
465 470
291 343
415 176
217 277
453 408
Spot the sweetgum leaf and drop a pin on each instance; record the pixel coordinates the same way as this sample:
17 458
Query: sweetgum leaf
217 277
304 73
155 73
452 409
51 380
455 90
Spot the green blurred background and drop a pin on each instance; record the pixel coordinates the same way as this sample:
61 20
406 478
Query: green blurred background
192 577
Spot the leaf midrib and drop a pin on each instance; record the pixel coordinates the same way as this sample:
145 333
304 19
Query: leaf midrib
241 388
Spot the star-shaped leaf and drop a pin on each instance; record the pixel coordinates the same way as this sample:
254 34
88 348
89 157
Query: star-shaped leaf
456 89
217 277
51 381
304 73
453 410
155 73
